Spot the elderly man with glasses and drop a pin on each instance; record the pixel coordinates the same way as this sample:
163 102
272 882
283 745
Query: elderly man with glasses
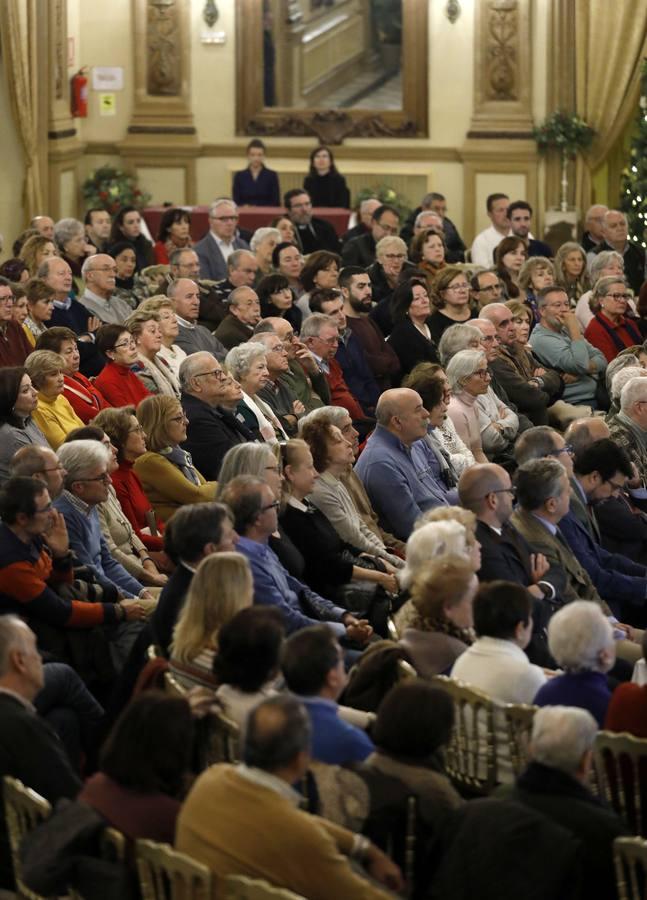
558 342
100 274
209 397
221 241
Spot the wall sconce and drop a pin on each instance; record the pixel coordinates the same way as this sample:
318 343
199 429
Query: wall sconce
453 10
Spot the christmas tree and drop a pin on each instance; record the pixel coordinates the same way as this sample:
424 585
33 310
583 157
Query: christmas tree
634 178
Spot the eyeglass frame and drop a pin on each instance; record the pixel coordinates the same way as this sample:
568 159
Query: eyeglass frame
104 477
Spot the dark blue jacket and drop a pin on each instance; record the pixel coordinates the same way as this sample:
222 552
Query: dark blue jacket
357 373
616 577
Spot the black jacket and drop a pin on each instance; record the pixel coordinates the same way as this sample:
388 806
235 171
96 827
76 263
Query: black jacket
567 803
411 346
318 235
360 251
321 546
210 433
327 190
169 605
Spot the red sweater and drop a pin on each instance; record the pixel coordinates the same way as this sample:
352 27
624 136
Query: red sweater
626 330
135 504
84 398
14 345
340 394
120 386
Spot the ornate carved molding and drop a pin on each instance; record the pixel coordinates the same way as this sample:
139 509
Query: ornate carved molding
502 70
331 126
163 47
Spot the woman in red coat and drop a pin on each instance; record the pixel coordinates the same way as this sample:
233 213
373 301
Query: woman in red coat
174 233
610 330
117 382
127 436
84 398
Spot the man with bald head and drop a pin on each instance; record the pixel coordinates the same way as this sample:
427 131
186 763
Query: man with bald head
615 236
42 463
192 337
100 273
366 210
44 225
531 387
398 468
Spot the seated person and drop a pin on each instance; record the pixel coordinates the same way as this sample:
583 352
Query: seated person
260 832
247 663
143 767
556 785
495 663
400 471
440 626
244 312
277 391
628 704
221 587
195 532
53 414
581 642
331 564
165 470
29 749
85 399
313 667
254 506
35 561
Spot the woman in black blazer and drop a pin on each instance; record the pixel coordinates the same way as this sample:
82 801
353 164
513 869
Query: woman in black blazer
411 338
324 183
256 185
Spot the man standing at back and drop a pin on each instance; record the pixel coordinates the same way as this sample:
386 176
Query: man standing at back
615 237
520 215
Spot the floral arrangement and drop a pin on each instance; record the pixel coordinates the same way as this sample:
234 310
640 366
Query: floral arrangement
386 194
110 189
563 132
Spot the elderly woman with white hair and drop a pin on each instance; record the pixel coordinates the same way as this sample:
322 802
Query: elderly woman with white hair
469 379
72 244
607 264
390 260
619 378
262 245
580 639
612 328
247 364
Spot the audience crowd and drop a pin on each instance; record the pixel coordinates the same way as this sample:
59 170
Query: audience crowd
303 476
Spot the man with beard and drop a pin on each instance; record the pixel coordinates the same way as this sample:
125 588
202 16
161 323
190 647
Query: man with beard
357 293
312 233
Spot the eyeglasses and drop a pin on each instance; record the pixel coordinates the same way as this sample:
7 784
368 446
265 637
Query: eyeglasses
112 269
512 491
489 339
332 342
615 487
491 288
618 296
224 218
136 429
274 505
463 286
181 418
567 448
58 468
394 256
104 477
557 305
45 509
482 373
7 301
219 374
130 344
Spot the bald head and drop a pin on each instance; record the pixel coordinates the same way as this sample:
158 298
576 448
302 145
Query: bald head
277 738
494 312
477 482
400 411
581 433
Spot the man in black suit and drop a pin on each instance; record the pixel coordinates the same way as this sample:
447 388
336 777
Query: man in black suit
487 491
361 250
615 231
195 531
520 215
208 394
312 233
29 748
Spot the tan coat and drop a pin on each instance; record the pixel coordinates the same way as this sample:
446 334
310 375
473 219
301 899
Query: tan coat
166 487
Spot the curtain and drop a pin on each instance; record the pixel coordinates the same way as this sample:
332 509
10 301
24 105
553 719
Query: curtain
610 43
17 34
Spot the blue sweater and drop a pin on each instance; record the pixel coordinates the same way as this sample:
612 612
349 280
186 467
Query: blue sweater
334 741
587 690
90 548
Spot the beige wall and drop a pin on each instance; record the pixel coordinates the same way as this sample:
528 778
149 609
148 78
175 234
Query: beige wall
103 36
12 219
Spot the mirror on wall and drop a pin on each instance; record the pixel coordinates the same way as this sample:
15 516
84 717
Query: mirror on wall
332 68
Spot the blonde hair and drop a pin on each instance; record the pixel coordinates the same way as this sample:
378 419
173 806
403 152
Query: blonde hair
152 414
42 363
156 304
442 583
221 587
291 453
136 321
518 309
532 265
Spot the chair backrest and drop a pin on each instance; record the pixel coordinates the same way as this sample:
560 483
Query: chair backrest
165 874
24 809
621 768
518 721
630 861
222 738
172 686
238 887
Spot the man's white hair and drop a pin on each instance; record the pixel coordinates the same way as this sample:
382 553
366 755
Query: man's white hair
213 206
622 377
577 634
561 735
80 457
634 391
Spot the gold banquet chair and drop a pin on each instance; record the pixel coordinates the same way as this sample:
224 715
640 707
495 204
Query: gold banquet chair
24 810
487 737
630 861
166 874
620 762
239 887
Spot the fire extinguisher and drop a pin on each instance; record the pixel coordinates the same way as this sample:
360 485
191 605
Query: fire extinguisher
79 94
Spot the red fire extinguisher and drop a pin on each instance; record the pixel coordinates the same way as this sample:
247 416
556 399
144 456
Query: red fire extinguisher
79 94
